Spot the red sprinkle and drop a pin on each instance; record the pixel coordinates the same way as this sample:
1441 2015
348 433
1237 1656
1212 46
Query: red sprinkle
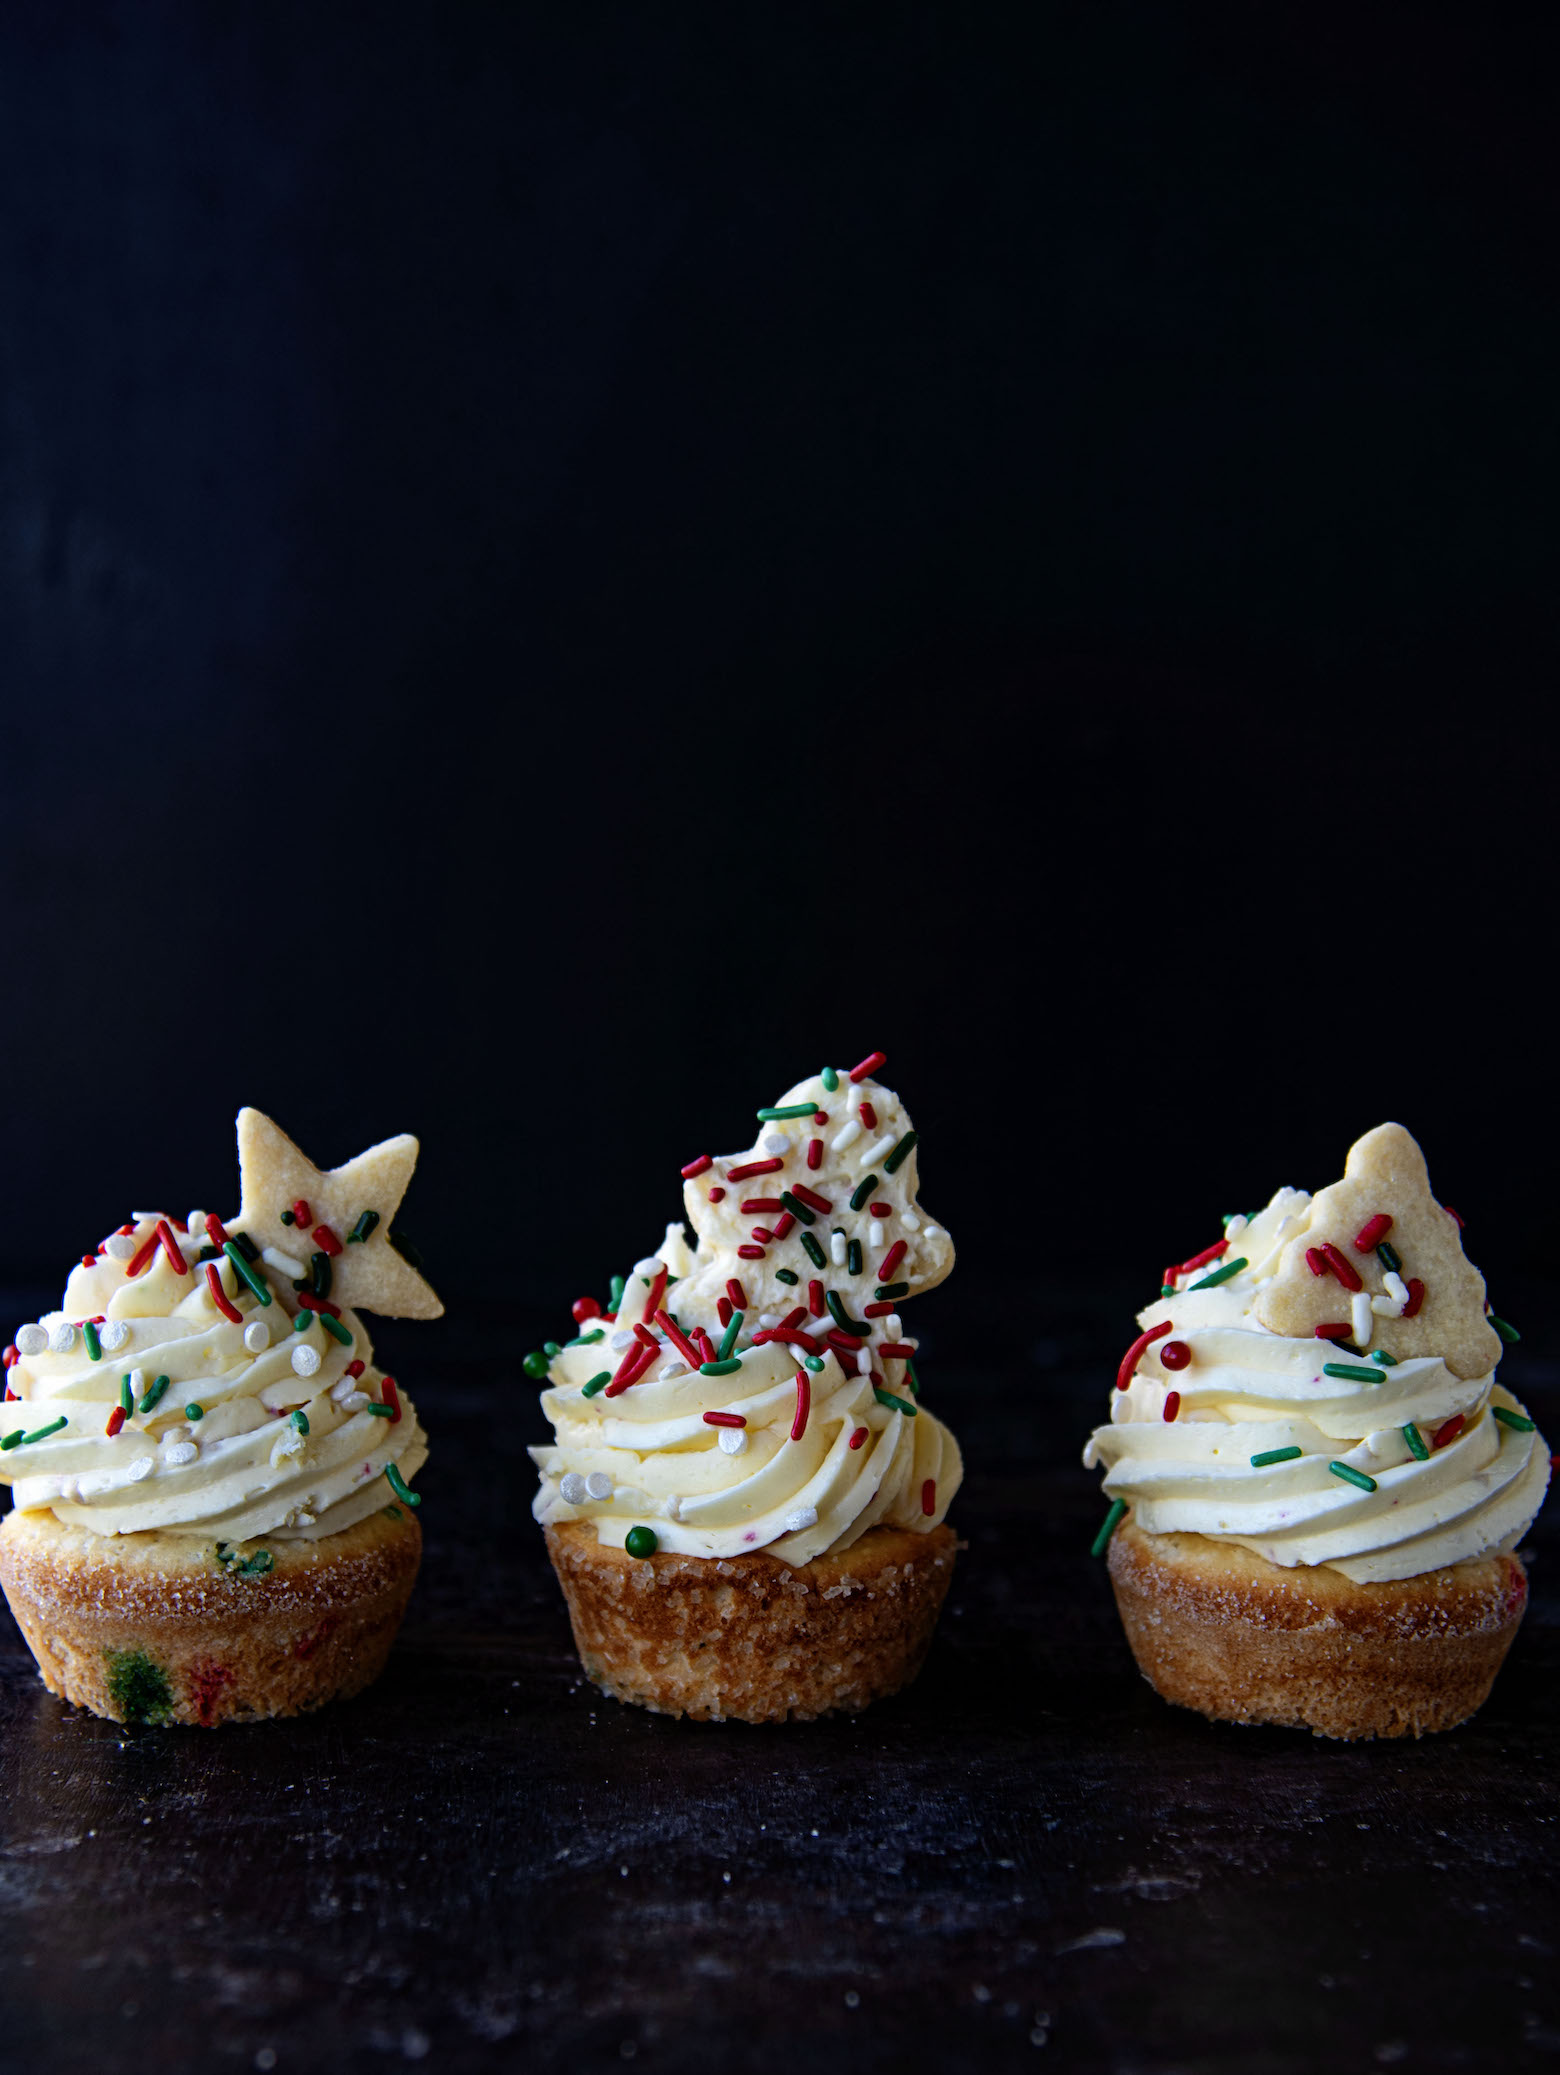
308 1300
1134 1353
1341 1266
354 1369
803 1404
814 1152
892 1259
643 1335
170 1247
794 1318
762 1234
881 1210
1416 1297
126 1230
815 1303
1449 1432
1172 1406
793 1337
750 1253
216 1231
705 1344
717 1195
896 1351
751 1167
635 1362
219 1296
584 1308
89 1260
869 1116
1372 1232
783 1224
878 1310
1461 1223
302 1215
1315 1260
700 1166
392 1399
679 1340
858 1437
735 1292
810 1197
723 1310
1332 1332
326 1239
755 1206
836 1338
1209 1253
929 1495
725 1419
116 1420
1175 1354
869 1065
10 1358
657 1292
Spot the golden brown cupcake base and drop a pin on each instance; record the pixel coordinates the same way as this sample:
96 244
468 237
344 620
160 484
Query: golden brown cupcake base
150 1628
750 1638
1215 1628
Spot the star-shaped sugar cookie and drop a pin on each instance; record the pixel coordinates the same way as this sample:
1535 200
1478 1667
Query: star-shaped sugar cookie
1385 1195
367 1273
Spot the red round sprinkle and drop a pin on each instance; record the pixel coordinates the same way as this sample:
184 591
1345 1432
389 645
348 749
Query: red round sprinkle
751 1167
929 1495
584 1308
750 1253
699 1166
716 1195
1134 1353
392 1399
815 1303
1416 1297
892 1259
810 1197
803 1404
219 1296
881 1210
1372 1232
1172 1406
756 1205
815 1152
869 1065
783 1224
116 1420
1332 1332
89 1260
725 1419
869 1116
1449 1432
735 1292
858 1437
1175 1354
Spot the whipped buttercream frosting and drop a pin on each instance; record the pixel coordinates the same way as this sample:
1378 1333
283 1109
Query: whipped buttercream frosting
145 1403
794 1445
1445 1465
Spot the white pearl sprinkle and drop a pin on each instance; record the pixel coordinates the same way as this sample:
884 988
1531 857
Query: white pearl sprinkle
598 1485
63 1338
837 1249
776 1144
305 1360
177 1453
119 1247
875 1232
846 1136
257 1336
143 1466
284 1264
732 1441
571 1488
803 1518
113 1335
31 1340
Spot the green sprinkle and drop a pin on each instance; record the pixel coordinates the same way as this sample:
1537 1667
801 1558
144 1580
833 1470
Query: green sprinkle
1351 1372
377 1411
862 1191
812 1249
535 1364
853 1257
1220 1274
138 1687
1379 1354
791 1109
194 1412
335 1327
300 1420
831 1079
42 1433
912 1379
1416 1444
615 1297
319 1274
255 1566
303 1321
584 1339
886 1290
13 1439
246 1246
1389 1257
1352 1476
404 1247
813 1362
400 1487
1503 1327
551 1348
644 1541
728 1339
154 1395
1167 1289
1275 1455
842 1317
391 1512
597 1383
901 1153
799 1211
256 1282
288 1218
1111 1522
1517 1420
365 1224
897 1404
789 1275
126 1397
89 1334
724 1367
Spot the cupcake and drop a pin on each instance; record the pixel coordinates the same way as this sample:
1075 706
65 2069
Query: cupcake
210 1478
1317 1484
744 1498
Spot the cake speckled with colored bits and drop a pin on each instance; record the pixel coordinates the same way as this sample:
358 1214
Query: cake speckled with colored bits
744 1500
1318 1486
213 1518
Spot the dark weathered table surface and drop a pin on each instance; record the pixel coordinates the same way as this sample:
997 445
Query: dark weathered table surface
1026 1861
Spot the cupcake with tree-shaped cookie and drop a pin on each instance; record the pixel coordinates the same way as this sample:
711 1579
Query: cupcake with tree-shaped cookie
213 1517
744 1498
1318 1485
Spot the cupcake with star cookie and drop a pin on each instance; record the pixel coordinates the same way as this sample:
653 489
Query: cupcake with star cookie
744 1498
1318 1484
213 1518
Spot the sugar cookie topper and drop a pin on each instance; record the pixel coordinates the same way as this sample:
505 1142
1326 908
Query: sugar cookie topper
349 1210
1426 1296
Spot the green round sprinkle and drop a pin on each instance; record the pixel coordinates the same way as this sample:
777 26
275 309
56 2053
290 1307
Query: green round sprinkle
241 1266
551 1348
643 1541
194 1412
812 1249
300 1420
1220 1274
1351 1372
1167 1289
1503 1327
831 1079
1275 1455
898 1404
888 1290
154 1394
1416 1443
1379 1354
728 1339
813 1362
901 1153
288 1218
42 1433
597 1383
400 1487
1507 1419
1352 1476
89 1333
1111 1522
791 1109
336 1328
721 1368
799 1211
862 1191
853 1257
789 1275
535 1364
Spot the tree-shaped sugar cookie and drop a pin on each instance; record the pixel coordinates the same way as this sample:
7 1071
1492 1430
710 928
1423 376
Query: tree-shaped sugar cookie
1380 1255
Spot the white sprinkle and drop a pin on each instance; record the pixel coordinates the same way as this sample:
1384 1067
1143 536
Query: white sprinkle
113 1335
651 1266
31 1340
803 1518
305 1359
876 1151
354 1401
257 1336
119 1247
894 1328
63 1338
766 1319
1397 1289
618 1341
571 1488
1236 1227
678 1367
837 1249
732 1440
343 1389
863 1362
875 1232
932 1232
910 1221
776 1144
138 1383
289 1444
178 1453
598 1485
846 1136
143 1466
1364 1323
284 1264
